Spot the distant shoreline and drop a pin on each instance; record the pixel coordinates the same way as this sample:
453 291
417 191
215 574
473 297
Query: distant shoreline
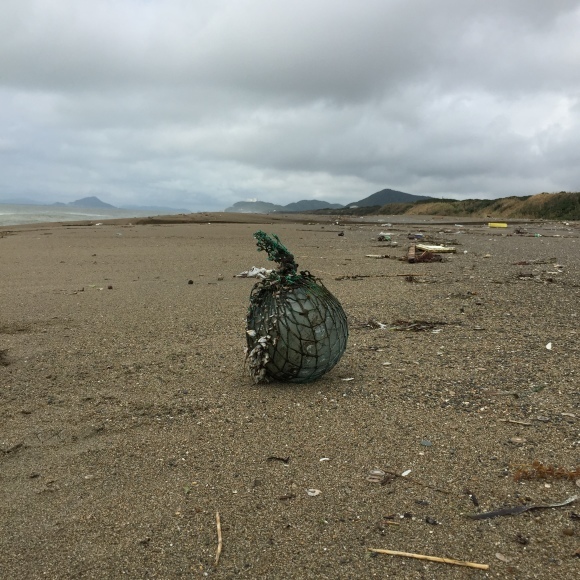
256 218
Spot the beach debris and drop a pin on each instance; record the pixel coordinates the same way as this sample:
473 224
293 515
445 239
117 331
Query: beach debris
497 225
415 325
372 324
219 536
301 328
537 470
520 509
430 558
377 476
434 248
472 497
536 262
254 272
313 492
387 237
549 346
4 361
521 539
515 421
502 558
424 256
285 460
429 257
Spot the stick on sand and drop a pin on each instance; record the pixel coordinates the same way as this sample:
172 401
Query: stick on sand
219 535
431 558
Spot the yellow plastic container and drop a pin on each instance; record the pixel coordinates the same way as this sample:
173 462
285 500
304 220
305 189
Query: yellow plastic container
497 225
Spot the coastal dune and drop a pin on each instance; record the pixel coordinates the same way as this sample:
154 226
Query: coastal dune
128 418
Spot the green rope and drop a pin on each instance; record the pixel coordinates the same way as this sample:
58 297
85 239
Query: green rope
277 252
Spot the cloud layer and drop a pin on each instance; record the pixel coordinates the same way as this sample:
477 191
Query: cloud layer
200 104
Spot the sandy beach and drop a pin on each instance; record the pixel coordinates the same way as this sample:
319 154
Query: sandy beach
128 419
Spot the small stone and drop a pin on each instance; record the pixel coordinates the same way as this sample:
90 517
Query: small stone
190 281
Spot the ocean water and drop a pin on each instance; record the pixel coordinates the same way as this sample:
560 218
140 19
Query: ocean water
12 215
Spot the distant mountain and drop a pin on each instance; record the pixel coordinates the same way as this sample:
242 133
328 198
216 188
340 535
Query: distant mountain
157 209
91 202
267 207
310 205
386 196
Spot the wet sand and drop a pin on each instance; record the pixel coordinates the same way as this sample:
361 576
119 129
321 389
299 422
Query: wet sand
128 418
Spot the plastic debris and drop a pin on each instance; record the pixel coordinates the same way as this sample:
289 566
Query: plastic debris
313 492
497 225
434 248
254 272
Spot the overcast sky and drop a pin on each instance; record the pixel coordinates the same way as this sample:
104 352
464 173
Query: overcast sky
201 103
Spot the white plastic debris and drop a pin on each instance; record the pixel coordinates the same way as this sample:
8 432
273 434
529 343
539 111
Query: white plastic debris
254 272
434 248
549 346
313 492
405 473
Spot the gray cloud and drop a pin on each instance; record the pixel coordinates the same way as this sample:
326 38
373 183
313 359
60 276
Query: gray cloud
200 104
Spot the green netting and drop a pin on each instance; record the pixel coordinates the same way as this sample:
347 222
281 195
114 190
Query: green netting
296 329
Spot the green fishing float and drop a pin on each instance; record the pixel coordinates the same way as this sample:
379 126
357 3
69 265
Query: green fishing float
296 330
